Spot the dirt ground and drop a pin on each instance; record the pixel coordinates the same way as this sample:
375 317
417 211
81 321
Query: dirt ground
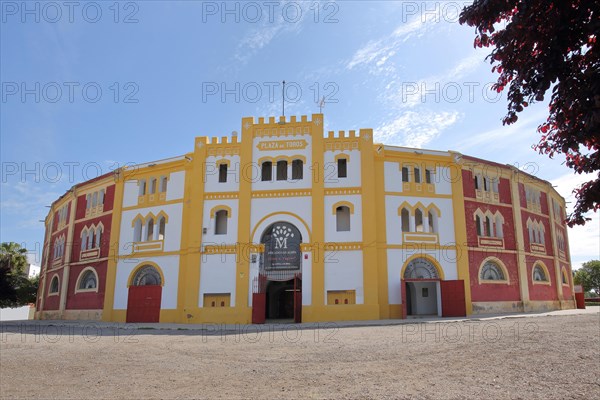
553 357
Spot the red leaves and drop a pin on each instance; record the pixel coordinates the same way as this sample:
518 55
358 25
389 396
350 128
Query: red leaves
549 44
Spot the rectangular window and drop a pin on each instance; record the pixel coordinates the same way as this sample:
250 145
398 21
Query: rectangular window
476 181
342 168
405 175
153 186
282 170
417 175
142 187
485 184
266 171
428 176
222 173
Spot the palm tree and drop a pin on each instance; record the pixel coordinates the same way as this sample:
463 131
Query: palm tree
13 282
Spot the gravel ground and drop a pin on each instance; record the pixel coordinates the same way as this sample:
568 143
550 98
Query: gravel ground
553 357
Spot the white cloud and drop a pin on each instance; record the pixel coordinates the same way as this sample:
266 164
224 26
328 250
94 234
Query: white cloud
376 53
415 129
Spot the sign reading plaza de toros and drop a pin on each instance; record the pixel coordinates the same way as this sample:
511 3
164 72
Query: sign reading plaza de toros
282 145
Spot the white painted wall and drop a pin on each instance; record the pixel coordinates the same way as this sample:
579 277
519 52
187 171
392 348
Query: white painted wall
176 185
209 223
170 269
267 211
394 223
130 193
172 241
217 275
353 178
355 232
211 177
396 258
344 271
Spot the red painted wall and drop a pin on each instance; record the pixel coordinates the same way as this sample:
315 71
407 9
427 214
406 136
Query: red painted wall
540 291
53 302
468 183
87 300
504 191
494 292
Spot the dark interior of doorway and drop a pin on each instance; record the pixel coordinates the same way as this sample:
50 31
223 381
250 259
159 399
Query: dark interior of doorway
280 300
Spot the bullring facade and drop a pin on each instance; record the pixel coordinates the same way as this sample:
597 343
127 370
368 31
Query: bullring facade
287 222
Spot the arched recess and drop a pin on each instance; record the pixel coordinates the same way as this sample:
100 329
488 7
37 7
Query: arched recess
499 264
342 203
283 216
84 273
214 210
535 277
147 267
429 261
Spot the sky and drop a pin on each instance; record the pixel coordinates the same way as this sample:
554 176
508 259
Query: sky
88 87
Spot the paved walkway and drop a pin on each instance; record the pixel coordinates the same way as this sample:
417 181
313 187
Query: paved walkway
224 328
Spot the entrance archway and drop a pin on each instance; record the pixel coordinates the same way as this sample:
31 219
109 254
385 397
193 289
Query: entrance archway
145 294
277 293
421 285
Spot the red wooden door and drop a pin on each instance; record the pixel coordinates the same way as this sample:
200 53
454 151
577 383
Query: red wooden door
143 303
453 298
259 308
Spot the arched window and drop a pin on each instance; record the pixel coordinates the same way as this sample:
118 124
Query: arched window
161 228
146 275
84 238
491 271
342 218
405 217
222 173
418 220
137 230
488 226
282 170
87 280
478 225
499 232
405 174
342 167
54 285
163 184
565 279
221 222
539 274
297 169
153 186
98 237
267 171
142 184
432 221
150 230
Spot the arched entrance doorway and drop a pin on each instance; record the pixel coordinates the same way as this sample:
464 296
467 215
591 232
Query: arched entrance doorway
145 293
277 293
421 288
